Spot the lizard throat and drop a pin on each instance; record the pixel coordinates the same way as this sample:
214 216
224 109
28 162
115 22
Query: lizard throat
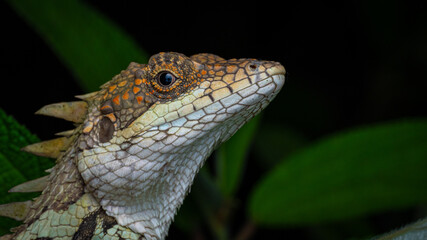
143 188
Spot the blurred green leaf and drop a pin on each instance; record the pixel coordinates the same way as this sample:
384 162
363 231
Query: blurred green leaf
16 166
356 173
231 157
273 142
89 44
200 206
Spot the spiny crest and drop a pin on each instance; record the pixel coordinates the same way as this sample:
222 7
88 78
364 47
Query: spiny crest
51 148
72 111
15 210
36 185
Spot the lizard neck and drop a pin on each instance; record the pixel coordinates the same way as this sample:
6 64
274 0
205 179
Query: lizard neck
144 201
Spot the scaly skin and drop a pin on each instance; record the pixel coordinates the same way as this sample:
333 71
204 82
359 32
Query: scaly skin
125 170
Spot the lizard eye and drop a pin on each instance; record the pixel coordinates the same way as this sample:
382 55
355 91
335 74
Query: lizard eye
165 78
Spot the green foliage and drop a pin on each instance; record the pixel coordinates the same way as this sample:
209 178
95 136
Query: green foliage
16 166
89 44
274 142
231 157
360 172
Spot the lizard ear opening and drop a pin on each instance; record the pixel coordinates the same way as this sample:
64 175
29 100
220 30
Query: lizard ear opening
106 130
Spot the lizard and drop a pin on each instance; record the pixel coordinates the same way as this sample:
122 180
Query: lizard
126 168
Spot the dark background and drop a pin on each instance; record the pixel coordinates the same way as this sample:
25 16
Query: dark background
349 63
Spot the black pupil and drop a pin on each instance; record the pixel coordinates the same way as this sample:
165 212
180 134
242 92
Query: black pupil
166 78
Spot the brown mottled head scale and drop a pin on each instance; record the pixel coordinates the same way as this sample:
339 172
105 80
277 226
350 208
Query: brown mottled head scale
136 89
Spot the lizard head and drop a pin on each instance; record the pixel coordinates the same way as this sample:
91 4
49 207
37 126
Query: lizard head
150 129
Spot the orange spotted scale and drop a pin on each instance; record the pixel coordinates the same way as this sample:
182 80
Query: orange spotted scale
138 86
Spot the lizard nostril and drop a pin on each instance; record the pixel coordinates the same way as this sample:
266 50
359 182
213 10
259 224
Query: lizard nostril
253 66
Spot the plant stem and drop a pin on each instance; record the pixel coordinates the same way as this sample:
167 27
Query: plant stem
247 231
